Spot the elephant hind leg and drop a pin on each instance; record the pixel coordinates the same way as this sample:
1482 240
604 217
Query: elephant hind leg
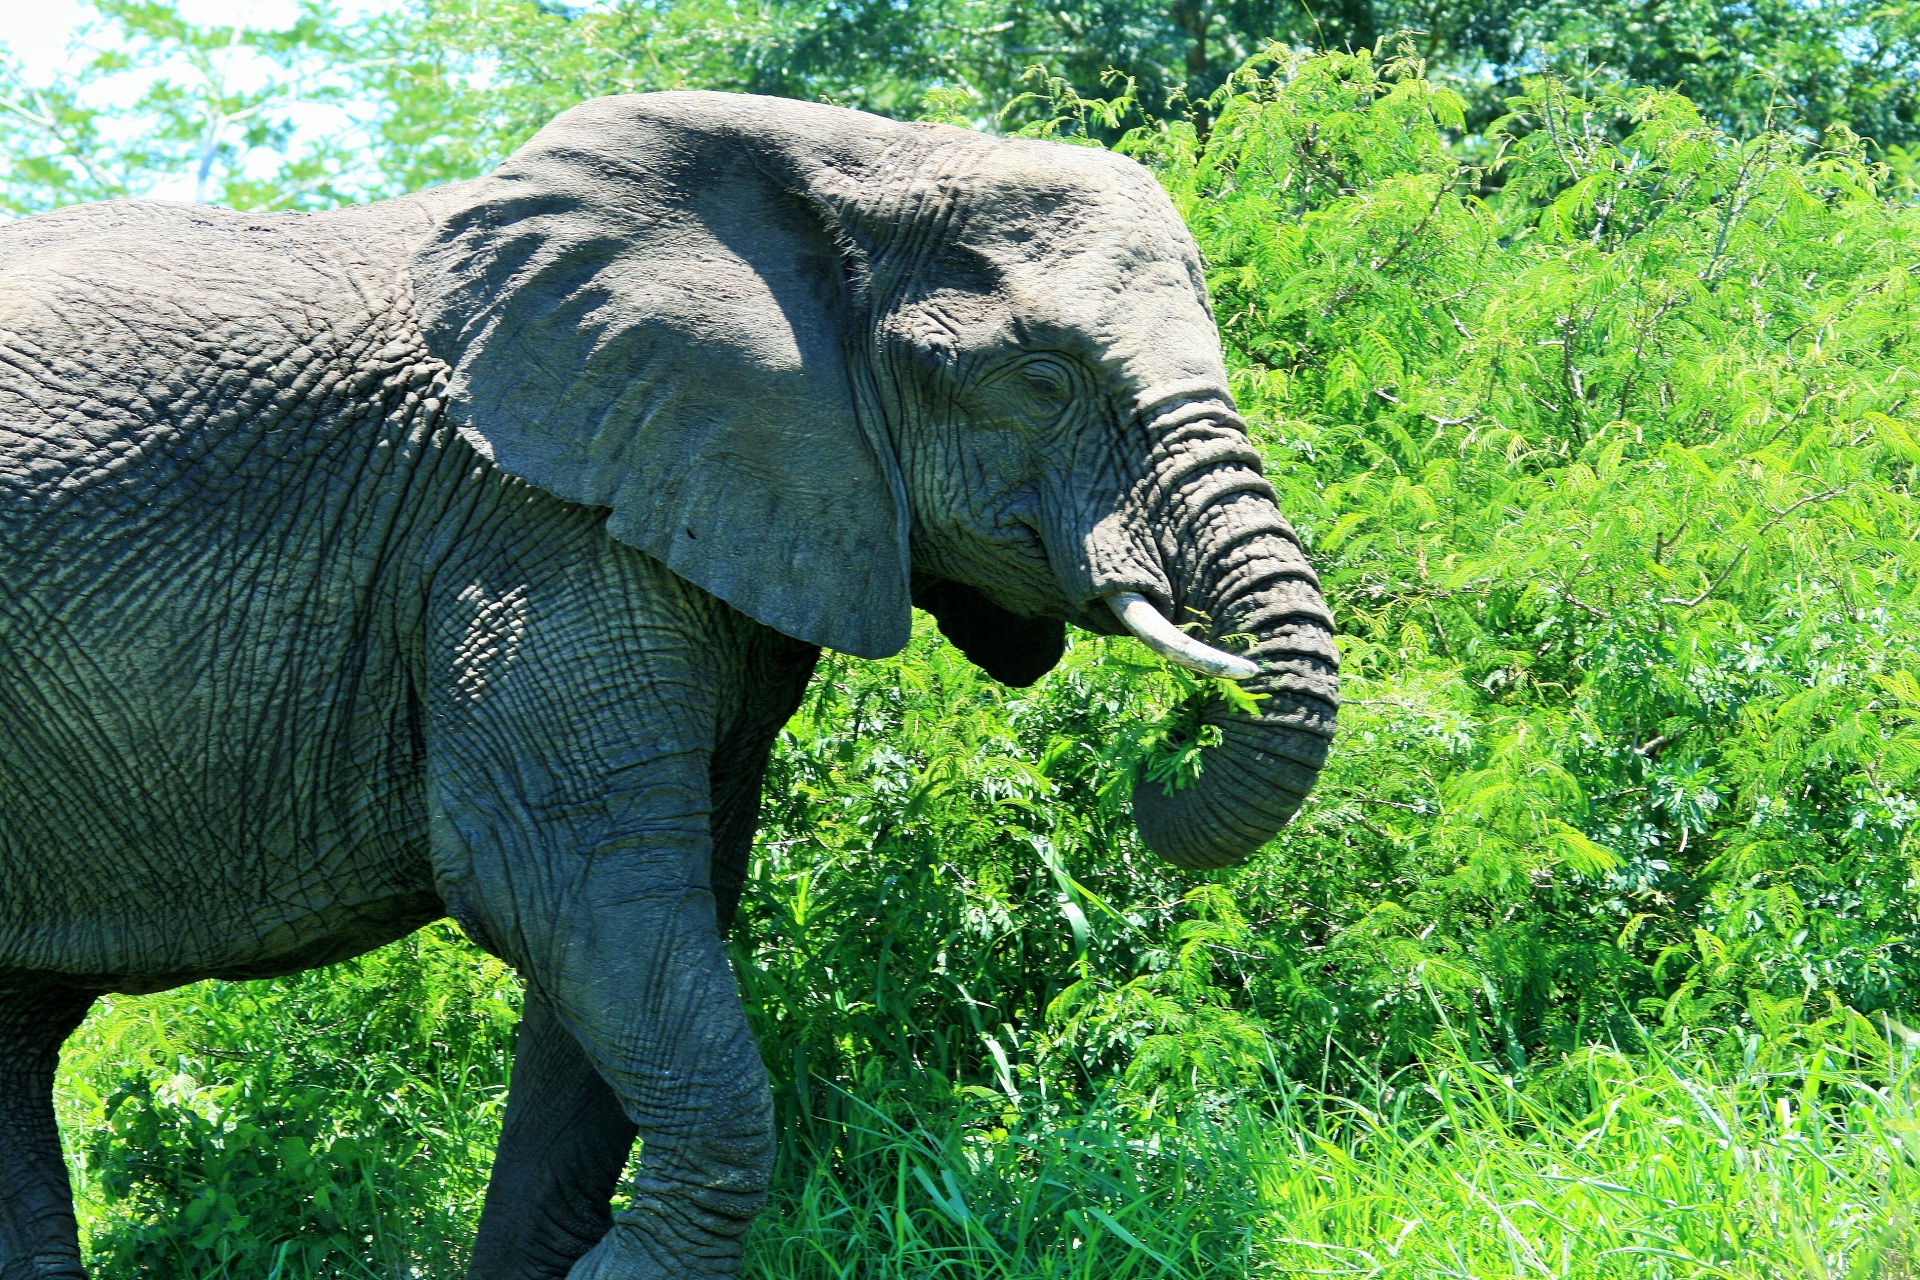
38 1239
562 1150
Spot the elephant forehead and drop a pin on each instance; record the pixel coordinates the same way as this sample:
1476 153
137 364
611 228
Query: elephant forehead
1061 246
1121 300
1052 191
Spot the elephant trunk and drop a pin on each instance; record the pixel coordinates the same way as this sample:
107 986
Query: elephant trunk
1234 565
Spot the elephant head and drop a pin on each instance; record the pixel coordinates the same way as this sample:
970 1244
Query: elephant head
826 365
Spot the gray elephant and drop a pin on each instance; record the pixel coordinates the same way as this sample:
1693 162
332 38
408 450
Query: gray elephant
463 555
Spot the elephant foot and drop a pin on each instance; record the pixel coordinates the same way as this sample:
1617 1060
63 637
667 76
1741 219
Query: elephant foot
60 1268
618 1257
630 1252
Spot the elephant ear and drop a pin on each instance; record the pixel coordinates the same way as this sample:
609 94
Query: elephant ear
644 310
1013 649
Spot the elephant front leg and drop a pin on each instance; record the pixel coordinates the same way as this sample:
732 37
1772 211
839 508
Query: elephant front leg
605 909
574 727
563 1147
693 1082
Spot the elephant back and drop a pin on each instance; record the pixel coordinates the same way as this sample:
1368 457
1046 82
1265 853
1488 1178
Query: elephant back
150 344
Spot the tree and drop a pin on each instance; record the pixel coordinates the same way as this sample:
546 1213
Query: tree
1744 63
213 117
445 88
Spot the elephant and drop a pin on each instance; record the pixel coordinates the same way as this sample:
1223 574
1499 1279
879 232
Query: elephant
462 555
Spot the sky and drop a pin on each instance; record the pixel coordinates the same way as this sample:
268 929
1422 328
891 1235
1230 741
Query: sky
38 30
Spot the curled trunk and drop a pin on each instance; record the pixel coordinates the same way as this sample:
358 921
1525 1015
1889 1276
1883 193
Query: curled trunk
1234 562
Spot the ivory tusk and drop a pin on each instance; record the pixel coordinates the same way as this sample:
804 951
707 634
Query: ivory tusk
1139 616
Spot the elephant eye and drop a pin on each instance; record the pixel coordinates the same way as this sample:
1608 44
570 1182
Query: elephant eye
1030 392
1047 379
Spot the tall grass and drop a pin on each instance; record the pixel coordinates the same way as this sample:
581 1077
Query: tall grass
1670 1164
1724 1155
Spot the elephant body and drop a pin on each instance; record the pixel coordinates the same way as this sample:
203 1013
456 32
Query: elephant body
218 680
221 702
463 555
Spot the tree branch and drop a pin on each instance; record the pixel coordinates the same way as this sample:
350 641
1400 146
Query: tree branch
1739 555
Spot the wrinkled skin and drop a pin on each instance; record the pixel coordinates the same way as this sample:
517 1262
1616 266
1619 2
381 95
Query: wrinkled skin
463 554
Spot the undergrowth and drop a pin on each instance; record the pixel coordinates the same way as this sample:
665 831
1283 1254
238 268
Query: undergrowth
1724 1154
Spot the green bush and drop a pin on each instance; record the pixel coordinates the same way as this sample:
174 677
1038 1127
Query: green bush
338 1124
1609 479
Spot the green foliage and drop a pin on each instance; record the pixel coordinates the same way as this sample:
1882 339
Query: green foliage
1608 477
338 1124
460 83
321 112
1749 64
208 104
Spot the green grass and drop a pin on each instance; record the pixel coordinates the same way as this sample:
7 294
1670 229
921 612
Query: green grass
201 1153
1669 1167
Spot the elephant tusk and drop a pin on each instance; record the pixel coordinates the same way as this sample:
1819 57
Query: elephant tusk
1139 616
